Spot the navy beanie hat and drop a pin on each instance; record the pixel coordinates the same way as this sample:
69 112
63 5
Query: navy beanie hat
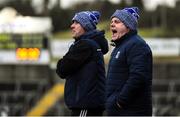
129 16
87 19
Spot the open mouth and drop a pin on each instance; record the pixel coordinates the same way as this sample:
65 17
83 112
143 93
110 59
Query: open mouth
73 31
114 31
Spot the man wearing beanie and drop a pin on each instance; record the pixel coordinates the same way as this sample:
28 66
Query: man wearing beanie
83 66
129 77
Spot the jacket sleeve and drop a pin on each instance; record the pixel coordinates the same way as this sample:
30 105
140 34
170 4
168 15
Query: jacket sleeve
77 55
139 60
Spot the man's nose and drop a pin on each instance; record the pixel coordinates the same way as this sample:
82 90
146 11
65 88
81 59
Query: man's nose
112 24
72 26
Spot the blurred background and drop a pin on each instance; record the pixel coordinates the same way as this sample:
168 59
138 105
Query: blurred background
34 35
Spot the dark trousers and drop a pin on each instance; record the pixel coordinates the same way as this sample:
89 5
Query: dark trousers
86 112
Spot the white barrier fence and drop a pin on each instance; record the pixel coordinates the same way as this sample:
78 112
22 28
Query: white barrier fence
164 47
159 46
60 47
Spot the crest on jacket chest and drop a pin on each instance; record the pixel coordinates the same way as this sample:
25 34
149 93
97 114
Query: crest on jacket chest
117 55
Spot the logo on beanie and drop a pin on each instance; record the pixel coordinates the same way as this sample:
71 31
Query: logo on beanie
133 11
93 16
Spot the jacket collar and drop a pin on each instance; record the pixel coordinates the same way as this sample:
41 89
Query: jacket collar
123 38
86 35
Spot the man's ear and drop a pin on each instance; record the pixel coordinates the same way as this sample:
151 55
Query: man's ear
128 29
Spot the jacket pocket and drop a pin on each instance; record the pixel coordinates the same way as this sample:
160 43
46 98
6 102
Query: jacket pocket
111 101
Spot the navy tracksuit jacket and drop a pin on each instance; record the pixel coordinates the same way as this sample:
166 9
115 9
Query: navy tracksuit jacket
129 77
